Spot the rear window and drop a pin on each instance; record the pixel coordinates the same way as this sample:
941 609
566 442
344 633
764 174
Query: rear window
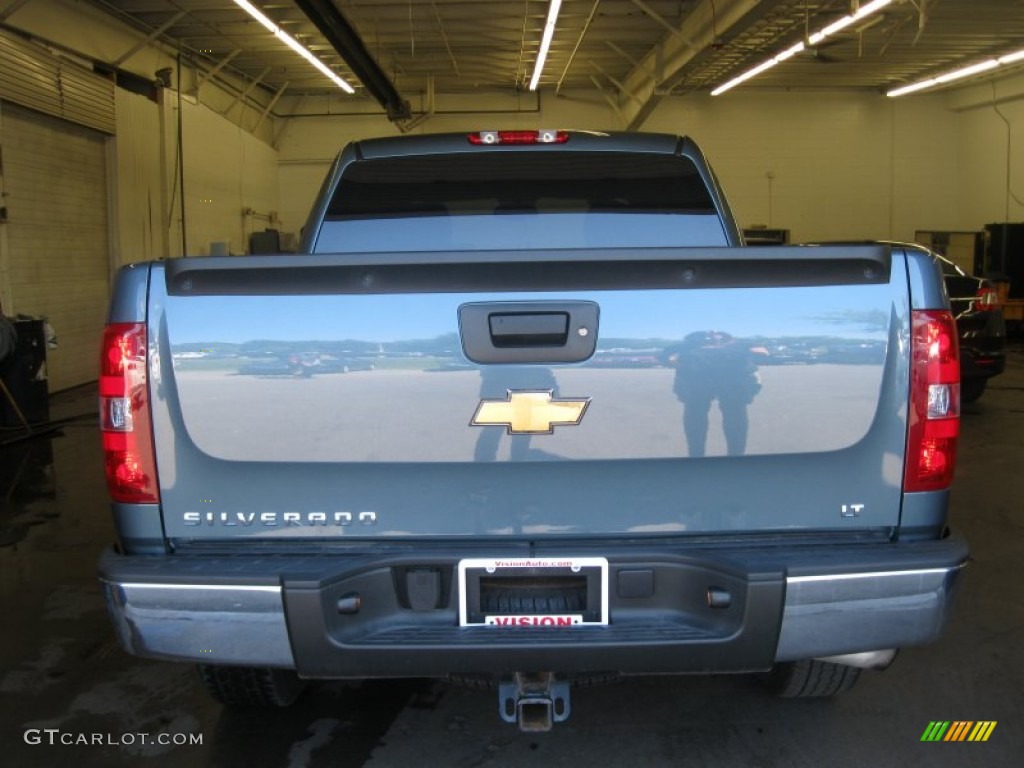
507 200
545 182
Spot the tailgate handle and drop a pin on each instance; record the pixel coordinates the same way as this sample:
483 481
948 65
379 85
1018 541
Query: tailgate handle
529 329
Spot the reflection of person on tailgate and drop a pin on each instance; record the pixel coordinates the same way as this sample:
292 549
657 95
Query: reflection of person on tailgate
712 365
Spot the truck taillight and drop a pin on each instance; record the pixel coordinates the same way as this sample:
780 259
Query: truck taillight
934 417
518 137
124 415
988 298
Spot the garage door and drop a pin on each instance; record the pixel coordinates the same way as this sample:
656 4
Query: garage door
55 180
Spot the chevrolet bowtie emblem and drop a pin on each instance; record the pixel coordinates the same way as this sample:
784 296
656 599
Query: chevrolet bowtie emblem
530 413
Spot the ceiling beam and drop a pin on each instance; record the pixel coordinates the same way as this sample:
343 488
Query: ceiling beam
150 38
217 68
429 110
576 48
622 88
704 26
270 105
444 36
244 93
13 8
346 41
607 97
625 54
654 15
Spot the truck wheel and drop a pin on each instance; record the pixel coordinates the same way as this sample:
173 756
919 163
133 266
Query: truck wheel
251 686
810 678
972 389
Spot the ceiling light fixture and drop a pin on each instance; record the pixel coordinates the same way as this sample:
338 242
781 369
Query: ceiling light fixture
294 44
837 26
545 42
957 74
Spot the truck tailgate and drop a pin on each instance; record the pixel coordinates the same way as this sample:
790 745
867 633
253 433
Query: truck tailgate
503 394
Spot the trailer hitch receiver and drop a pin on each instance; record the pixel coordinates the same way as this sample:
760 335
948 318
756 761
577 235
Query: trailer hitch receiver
534 700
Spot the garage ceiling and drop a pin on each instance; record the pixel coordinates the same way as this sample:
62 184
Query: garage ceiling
633 50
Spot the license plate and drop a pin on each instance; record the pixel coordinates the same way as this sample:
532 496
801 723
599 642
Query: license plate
573 592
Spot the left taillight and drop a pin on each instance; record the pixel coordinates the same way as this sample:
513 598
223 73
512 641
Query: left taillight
934 418
987 299
124 415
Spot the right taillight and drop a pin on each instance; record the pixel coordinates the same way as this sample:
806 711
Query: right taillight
124 415
934 417
987 299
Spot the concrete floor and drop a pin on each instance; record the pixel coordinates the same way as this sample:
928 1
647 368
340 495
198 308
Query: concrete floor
61 669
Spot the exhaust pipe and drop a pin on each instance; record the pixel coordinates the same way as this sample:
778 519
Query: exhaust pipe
865 659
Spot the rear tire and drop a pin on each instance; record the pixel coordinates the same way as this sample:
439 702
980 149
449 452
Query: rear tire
247 687
811 679
972 389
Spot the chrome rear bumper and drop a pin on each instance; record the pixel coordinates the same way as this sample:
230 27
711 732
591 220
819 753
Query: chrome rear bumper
216 624
185 611
830 615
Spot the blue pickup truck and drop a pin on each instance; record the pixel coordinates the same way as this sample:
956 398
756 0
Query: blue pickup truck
558 424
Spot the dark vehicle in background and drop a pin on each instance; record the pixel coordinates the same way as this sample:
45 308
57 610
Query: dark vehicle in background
979 323
980 327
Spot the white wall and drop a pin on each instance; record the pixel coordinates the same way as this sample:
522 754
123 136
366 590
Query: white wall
226 170
140 201
851 165
844 165
991 151
85 29
861 165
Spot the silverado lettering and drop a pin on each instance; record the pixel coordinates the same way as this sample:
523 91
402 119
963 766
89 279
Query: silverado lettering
271 519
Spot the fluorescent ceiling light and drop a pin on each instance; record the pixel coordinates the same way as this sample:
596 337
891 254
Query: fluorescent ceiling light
545 42
294 44
837 26
911 88
967 71
957 74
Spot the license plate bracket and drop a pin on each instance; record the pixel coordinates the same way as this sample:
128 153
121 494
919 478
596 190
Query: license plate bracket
533 592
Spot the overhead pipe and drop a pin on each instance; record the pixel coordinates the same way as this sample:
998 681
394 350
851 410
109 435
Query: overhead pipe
346 41
435 113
